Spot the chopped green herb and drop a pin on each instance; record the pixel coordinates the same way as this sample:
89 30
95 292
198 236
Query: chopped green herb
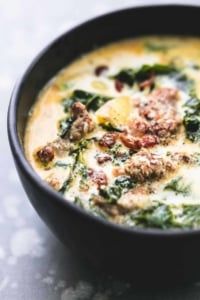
178 186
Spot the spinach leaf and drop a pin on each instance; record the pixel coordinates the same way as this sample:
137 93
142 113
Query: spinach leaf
110 127
178 186
91 100
190 216
130 76
191 119
156 216
163 216
121 185
65 126
65 185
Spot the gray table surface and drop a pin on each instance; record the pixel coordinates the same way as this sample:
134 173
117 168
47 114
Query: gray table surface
33 263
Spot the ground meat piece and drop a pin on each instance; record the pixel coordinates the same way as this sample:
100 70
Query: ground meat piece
139 127
149 141
98 177
78 109
136 143
60 146
157 115
82 124
100 69
160 105
45 154
147 165
130 141
103 157
108 140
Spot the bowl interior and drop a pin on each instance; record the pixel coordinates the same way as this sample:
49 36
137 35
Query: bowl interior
92 34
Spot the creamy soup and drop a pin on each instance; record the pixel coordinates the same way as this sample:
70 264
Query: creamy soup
117 132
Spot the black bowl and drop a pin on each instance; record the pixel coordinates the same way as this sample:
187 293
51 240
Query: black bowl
140 255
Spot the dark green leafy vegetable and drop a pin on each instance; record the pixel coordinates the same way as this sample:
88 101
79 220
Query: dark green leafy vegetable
114 192
65 185
164 216
91 100
77 166
119 154
190 216
192 119
83 171
110 127
130 76
178 186
159 216
65 126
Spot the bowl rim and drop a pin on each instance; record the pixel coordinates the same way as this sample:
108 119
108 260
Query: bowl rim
25 166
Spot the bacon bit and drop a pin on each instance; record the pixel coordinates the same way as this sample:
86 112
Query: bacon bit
118 85
108 140
46 154
103 158
147 83
98 177
100 69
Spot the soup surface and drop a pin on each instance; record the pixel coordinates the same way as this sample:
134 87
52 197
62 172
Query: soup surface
117 132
